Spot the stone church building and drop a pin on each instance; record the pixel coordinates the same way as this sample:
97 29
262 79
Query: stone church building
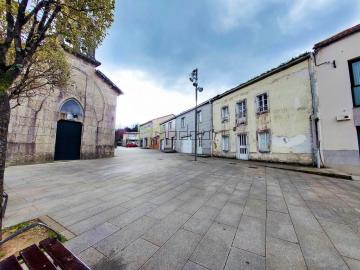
67 124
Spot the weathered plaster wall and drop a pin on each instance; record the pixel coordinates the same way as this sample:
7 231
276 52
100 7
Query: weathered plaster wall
32 129
168 135
339 141
146 131
288 119
150 132
156 130
156 124
204 128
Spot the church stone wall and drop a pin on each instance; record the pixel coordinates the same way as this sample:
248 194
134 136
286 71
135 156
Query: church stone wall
33 124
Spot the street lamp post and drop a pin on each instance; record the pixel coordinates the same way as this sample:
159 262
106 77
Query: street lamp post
194 80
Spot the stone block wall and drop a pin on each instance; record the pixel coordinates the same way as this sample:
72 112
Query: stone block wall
32 129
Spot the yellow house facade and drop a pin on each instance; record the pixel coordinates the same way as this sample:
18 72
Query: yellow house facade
146 131
267 118
150 132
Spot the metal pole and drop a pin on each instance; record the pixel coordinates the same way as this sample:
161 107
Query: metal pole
196 94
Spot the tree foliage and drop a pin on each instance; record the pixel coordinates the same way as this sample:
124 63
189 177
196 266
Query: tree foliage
30 32
46 69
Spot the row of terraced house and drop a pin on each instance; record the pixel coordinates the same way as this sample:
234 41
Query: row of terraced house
305 111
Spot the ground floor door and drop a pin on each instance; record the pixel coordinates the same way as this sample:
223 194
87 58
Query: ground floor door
155 143
162 145
186 145
68 140
200 144
172 144
144 143
242 149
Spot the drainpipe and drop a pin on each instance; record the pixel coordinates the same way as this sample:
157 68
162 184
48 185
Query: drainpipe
211 128
315 117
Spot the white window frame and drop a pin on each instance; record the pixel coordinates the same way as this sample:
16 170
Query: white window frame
199 116
355 84
264 146
225 113
182 122
241 109
200 140
225 141
170 125
262 103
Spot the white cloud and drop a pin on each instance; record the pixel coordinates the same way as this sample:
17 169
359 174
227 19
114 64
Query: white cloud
235 14
145 98
232 14
300 9
302 13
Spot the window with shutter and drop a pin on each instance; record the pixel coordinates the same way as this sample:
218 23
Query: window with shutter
225 143
264 141
241 109
225 113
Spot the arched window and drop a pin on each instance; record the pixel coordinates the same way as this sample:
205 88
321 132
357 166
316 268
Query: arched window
72 109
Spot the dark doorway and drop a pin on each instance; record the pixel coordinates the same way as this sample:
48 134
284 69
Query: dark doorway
68 140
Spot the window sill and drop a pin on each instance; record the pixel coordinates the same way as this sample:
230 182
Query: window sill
263 112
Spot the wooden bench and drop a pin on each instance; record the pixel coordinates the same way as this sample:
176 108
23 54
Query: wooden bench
49 255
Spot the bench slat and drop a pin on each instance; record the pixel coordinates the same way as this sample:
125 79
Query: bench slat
10 263
35 259
61 255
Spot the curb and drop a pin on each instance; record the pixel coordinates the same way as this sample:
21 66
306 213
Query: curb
327 174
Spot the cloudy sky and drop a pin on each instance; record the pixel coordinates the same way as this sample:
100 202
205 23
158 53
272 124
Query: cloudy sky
153 46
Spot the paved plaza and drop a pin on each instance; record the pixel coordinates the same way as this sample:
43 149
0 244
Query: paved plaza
148 210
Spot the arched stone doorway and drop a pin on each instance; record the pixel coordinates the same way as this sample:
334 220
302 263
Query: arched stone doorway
69 131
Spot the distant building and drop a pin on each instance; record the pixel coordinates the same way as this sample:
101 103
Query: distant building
150 132
185 130
168 135
73 123
146 133
131 137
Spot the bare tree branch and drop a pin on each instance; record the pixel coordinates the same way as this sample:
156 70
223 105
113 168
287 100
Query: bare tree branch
35 10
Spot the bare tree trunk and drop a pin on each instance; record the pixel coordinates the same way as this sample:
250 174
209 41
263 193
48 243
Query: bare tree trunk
4 124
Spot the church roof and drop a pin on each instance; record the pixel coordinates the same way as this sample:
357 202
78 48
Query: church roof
108 82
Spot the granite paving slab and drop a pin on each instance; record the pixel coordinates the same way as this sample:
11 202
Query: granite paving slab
144 209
